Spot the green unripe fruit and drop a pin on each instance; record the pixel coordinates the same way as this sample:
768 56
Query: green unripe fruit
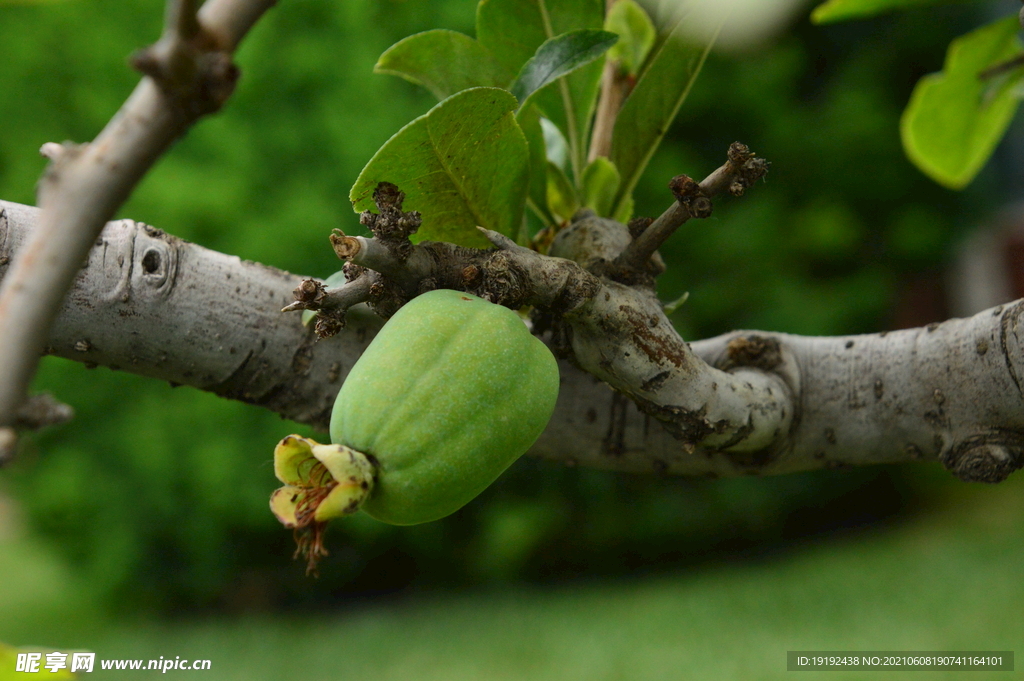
450 392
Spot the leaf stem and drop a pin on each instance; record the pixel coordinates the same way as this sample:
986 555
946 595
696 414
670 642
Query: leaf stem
614 88
615 85
632 176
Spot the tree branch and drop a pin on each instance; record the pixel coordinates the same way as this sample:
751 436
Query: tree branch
737 174
157 306
37 412
189 74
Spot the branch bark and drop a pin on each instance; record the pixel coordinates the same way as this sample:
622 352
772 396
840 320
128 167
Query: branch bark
953 392
152 304
189 73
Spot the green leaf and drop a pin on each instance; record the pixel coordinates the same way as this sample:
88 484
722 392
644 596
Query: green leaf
444 62
558 57
600 182
955 119
841 10
462 164
561 194
513 30
624 211
652 105
529 121
670 308
636 35
555 146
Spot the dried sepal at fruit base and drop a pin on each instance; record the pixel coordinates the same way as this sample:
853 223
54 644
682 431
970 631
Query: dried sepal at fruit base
321 482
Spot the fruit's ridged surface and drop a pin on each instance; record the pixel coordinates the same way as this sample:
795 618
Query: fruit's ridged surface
451 392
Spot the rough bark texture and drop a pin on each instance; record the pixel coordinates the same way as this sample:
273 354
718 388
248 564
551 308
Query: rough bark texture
152 304
155 305
949 391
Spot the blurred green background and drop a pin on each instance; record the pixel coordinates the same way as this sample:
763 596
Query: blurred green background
119 534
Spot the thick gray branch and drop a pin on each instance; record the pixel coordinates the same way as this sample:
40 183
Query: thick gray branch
950 391
157 306
154 305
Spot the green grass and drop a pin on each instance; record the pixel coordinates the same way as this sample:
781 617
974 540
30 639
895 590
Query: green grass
946 580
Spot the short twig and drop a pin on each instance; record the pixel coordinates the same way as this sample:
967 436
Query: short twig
36 412
502 242
737 174
331 304
345 296
42 410
312 295
371 253
51 151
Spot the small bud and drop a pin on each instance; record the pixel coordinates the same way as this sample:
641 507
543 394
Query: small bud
328 325
684 188
690 194
308 291
739 153
637 226
471 275
352 271
700 207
